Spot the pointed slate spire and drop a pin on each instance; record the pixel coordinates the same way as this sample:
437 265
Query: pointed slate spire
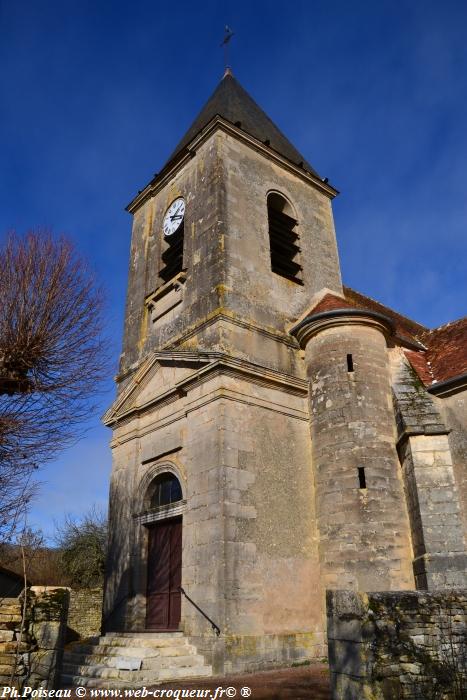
231 102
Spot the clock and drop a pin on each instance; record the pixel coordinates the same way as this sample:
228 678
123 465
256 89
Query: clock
174 217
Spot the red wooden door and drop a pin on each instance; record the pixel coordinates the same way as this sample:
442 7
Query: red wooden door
164 575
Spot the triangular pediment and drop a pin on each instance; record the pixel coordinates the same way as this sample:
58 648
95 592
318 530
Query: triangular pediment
157 379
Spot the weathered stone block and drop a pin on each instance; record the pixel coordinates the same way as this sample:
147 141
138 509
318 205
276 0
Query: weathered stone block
46 634
410 646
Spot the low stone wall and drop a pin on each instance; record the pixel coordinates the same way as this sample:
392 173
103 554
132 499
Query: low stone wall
31 649
410 644
84 613
46 626
10 626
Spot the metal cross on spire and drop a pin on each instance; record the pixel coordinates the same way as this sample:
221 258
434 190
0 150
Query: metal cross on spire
228 34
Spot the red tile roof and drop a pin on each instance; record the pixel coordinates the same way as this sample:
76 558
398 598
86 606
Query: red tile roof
404 326
445 355
330 302
418 360
447 350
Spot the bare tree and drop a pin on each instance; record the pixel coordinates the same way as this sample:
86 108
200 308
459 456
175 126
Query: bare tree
52 359
44 563
83 546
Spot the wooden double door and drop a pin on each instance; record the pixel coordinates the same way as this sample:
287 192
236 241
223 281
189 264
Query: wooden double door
164 575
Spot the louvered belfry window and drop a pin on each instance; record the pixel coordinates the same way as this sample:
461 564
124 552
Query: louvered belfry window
283 239
172 257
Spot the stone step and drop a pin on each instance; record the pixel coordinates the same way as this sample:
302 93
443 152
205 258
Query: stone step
144 635
108 652
142 640
161 656
111 674
167 674
129 679
133 652
155 644
78 665
68 681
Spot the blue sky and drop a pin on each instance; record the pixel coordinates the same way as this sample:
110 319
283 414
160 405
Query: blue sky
95 95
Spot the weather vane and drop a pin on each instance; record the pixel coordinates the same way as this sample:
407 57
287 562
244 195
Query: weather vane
228 34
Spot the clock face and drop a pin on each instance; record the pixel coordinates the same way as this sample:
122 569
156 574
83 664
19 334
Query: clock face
174 216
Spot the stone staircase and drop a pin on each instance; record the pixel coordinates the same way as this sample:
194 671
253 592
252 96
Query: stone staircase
131 660
10 649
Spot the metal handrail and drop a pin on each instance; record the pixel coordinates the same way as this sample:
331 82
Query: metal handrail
215 628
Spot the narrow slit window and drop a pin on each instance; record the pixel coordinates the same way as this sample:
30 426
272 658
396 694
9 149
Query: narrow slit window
361 477
283 239
349 363
172 257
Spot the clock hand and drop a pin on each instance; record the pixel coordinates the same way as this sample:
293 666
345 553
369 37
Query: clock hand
179 216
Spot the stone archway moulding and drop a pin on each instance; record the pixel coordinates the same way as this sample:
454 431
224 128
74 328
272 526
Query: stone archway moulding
145 517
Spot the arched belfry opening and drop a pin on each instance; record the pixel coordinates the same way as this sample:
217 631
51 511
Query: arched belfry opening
164 559
283 238
172 256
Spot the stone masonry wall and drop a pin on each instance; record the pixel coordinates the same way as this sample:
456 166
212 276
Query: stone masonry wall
10 646
402 644
31 650
431 483
455 411
84 613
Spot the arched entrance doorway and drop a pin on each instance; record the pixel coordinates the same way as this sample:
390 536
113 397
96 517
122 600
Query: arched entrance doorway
164 573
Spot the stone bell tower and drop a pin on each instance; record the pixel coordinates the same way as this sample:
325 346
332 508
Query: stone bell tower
212 391
213 487
233 170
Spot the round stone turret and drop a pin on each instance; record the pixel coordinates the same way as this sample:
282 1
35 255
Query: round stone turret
362 520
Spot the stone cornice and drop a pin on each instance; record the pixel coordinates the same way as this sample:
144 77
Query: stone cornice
221 315
162 513
312 325
215 316
234 367
212 364
142 371
218 315
407 433
162 178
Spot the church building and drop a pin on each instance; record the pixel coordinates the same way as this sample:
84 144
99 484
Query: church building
275 433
